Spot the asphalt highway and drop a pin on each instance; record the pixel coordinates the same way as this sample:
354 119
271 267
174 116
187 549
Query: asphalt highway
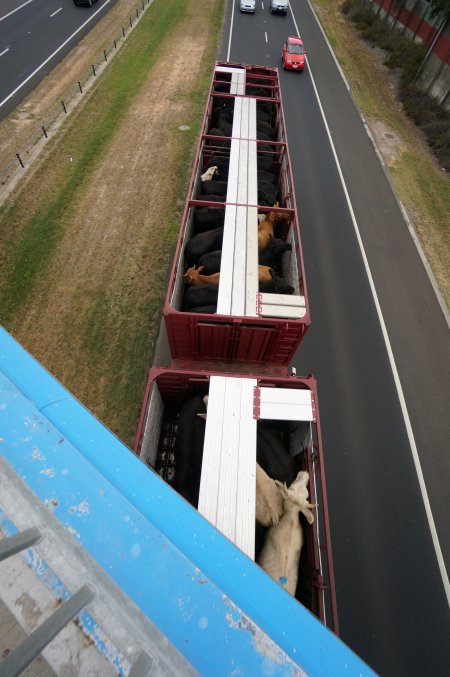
379 348
34 36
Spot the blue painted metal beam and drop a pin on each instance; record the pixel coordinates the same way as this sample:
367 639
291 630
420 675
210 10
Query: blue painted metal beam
218 608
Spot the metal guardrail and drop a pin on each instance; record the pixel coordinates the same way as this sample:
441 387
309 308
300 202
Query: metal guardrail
26 152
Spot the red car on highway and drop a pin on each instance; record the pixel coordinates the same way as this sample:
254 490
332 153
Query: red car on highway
293 55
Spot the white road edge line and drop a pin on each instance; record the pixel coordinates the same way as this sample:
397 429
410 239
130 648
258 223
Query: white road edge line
401 397
24 82
231 31
55 13
13 11
4 51
265 33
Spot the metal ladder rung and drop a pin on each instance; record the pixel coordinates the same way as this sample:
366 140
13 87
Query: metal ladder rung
32 646
11 545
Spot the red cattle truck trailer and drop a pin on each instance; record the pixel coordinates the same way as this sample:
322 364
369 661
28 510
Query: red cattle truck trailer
243 413
248 321
225 410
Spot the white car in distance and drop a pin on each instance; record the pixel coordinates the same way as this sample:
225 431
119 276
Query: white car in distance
247 6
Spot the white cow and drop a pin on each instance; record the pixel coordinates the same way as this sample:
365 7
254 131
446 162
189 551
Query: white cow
281 551
208 175
269 501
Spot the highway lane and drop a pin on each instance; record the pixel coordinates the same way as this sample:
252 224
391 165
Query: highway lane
391 600
34 36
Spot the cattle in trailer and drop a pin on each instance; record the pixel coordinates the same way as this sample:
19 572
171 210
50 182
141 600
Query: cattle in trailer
280 554
210 174
270 255
218 161
208 218
199 296
273 457
188 449
201 244
210 198
211 262
214 188
269 502
276 285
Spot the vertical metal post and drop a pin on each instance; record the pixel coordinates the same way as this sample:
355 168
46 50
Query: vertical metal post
115 43
123 31
104 52
79 85
64 107
93 69
131 25
45 133
21 163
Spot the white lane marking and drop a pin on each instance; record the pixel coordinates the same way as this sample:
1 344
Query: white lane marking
55 13
231 31
398 385
15 10
266 36
4 51
62 45
262 5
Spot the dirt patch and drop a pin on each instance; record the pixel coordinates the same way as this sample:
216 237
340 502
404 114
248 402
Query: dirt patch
387 142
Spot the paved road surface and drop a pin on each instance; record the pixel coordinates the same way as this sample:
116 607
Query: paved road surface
392 604
34 36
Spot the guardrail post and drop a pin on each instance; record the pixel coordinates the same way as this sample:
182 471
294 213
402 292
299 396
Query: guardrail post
20 160
115 44
104 52
93 69
45 133
123 31
79 85
131 25
64 107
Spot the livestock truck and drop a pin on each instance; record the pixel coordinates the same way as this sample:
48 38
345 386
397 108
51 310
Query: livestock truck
244 135
226 407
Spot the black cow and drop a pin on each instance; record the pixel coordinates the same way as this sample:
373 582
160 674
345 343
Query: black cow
201 244
208 218
210 198
273 457
220 162
214 188
267 193
199 296
277 285
265 128
265 162
270 255
210 262
188 449
205 309
263 175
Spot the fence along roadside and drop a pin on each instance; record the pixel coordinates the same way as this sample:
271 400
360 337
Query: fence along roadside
27 153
